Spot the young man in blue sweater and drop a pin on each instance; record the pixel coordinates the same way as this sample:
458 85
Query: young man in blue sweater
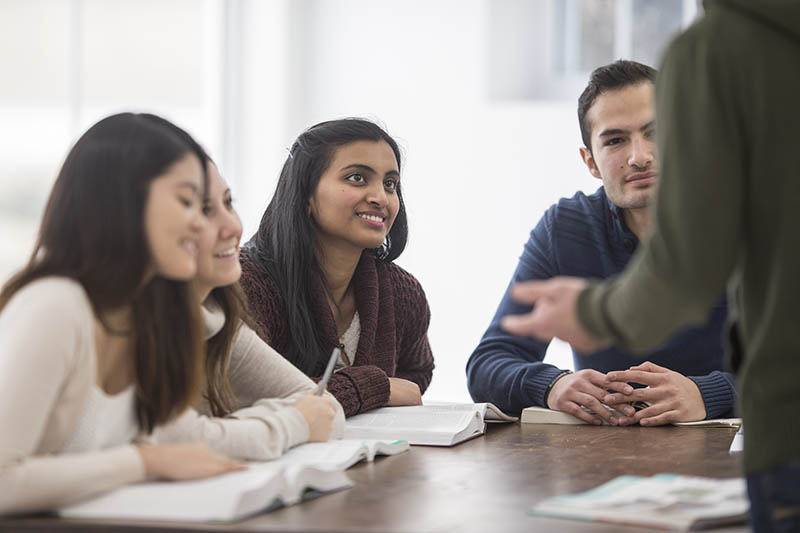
594 237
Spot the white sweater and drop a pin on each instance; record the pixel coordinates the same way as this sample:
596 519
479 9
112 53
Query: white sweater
265 384
47 369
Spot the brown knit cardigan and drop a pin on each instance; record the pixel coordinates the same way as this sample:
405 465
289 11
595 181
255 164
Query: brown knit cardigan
394 316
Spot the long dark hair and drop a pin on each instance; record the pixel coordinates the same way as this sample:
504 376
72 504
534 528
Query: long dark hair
232 302
284 245
93 232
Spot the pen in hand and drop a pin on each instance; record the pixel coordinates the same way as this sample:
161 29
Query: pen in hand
328 371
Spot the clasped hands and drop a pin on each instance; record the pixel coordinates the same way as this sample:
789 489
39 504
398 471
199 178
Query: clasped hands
671 397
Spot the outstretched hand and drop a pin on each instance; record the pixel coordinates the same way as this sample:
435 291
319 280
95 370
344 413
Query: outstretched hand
554 313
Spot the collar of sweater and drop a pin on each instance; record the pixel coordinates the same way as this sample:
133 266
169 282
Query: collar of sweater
374 296
213 317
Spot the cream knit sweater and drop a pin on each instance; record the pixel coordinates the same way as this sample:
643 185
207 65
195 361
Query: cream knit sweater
48 367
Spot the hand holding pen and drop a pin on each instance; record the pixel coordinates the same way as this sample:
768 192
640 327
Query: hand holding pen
318 410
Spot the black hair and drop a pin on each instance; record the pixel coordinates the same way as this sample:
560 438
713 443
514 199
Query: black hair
285 244
617 75
93 232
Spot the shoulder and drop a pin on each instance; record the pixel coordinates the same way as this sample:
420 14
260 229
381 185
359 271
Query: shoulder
51 322
574 215
580 204
255 281
404 285
58 297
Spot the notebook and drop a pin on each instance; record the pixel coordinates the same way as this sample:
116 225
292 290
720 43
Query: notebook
663 501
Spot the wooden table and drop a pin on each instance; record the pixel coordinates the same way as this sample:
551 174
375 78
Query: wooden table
484 485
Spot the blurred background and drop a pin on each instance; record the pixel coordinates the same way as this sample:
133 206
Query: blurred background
480 94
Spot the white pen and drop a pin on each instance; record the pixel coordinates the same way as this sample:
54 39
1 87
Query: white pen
328 371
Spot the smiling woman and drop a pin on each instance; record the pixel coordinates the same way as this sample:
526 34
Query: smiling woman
319 274
108 280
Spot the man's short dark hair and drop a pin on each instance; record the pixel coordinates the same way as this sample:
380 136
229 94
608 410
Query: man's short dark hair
616 75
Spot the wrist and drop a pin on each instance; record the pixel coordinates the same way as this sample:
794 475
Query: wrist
552 383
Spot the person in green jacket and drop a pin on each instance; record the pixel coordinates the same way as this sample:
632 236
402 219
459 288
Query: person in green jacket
727 212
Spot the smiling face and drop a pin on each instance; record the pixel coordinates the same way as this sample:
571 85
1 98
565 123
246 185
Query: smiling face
623 151
173 219
218 253
356 201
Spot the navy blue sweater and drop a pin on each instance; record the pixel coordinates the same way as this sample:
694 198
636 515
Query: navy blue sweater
586 236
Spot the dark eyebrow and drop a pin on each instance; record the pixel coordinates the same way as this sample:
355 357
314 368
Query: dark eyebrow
368 168
607 133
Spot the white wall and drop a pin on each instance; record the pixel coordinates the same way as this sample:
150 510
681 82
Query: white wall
249 75
478 174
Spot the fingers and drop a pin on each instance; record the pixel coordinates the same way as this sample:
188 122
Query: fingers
636 376
619 386
579 412
650 367
529 292
600 410
523 325
646 394
231 465
667 417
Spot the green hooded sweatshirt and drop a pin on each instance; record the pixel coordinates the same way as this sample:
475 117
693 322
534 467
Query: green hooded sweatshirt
727 212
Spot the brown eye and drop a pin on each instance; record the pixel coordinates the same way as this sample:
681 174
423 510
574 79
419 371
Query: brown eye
356 178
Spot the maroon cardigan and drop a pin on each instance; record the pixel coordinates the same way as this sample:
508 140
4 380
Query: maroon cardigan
394 316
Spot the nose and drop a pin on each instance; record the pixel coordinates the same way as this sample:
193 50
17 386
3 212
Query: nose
230 225
642 152
376 194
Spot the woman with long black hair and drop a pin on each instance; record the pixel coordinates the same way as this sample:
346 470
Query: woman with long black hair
319 272
100 333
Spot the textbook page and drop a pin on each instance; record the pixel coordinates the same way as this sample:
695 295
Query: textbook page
231 496
418 424
713 423
489 411
340 454
542 415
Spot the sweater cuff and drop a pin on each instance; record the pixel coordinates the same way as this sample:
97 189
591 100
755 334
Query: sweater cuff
127 461
538 385
717 392
371 385
298 429
591 311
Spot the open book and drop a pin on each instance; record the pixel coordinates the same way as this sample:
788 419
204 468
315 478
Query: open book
433 424
303 472
663 501
542 415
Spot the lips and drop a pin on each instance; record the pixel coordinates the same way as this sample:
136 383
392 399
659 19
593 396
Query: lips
228 252
189 245
372 218
641 176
